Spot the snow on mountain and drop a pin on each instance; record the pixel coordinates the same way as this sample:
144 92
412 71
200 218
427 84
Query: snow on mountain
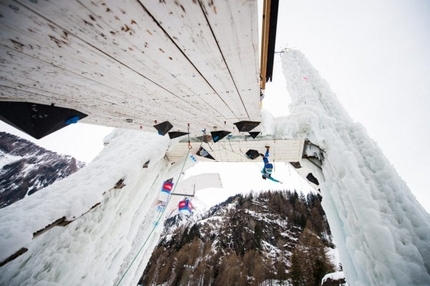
6 159
26 168
381 230
246 240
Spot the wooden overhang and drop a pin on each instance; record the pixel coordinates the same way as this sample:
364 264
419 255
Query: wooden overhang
133 64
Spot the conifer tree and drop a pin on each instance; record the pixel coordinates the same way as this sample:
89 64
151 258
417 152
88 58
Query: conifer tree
235 253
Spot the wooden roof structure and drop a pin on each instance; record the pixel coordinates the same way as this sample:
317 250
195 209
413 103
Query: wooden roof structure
133 64
137 64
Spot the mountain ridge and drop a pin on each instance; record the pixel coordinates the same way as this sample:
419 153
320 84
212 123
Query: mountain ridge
25 168
245 240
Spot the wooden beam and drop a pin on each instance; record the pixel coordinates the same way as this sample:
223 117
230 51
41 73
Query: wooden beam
264 42
270 20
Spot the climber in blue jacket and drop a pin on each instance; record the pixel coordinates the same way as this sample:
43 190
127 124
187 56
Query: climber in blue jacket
268 167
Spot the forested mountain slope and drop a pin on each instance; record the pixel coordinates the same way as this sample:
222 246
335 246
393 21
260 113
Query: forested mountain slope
244 241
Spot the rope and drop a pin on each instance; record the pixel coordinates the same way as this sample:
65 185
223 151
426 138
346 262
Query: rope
274 155
232 151
288 166
203 137
231 147
189 139
159 217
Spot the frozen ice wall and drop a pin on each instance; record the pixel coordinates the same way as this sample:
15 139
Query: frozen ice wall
382 232
108 245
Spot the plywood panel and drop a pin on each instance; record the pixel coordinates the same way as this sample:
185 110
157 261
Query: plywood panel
233 150
234 25
189 28
148 61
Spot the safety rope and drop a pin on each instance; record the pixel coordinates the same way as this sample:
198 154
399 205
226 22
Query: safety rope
240 149
203 137
231 147
189 139
288 166
232 151
274 156
161 214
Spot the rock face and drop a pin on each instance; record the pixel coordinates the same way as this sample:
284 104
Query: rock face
275 236
334 279
26 168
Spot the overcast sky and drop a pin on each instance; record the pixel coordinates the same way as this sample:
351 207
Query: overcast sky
375 55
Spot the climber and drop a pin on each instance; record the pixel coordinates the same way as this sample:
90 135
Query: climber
185 207
268 167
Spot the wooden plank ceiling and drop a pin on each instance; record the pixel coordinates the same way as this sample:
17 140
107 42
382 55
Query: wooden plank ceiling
131 64
234 149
